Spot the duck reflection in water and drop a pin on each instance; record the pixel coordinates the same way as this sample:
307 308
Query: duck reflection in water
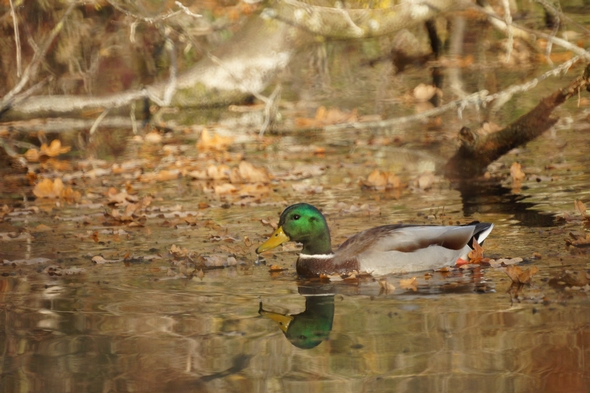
308 329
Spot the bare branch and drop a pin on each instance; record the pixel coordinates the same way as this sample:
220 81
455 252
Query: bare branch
186 10
16 40
477 99
98 120
357 23
31 70
508 21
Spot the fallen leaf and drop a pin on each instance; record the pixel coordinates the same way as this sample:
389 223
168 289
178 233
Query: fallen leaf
516 172
32 155
520 276
325 116
254 189
276 268
580 207
475 255
410 283
216 142
577 239
99 260
153 137
380 180
249 173
425 180
386 287
423 93
54 149
178 252
225 189
47 188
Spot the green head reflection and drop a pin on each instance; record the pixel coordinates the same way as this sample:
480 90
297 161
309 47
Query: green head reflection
308 329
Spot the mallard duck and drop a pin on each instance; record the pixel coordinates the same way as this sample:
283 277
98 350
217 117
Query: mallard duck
381 250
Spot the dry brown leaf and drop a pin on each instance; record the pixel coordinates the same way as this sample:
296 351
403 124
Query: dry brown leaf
382 180
577 239
57 165
425 180
423 93
42 228
276 268
46 188
325 116
216 142
153 137
32 155
252 174
410 283
254 189
475 255
580 207
55 189
516 172
178 252
99 260
225 189
54 149
385 287
162 175
520 276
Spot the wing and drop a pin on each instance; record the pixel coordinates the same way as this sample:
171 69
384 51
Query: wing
407 238
405 248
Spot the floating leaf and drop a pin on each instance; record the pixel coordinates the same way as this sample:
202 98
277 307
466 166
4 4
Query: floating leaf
410 283
423 93
475 255
580 207
516 172
380 180
215 142
153 137
252 174
520 276
386 287
54 149
276 269
47 188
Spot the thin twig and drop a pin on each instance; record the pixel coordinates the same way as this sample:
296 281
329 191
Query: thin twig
270 109
170 88
132 116
186 10
98 120
508 21
526 32
16 40
143 18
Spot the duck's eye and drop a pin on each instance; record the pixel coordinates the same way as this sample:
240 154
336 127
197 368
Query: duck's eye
296 216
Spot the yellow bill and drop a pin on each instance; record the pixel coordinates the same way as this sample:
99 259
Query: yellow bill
276 239
282 320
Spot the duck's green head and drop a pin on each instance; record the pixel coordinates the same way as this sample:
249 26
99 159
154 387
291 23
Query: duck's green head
304 224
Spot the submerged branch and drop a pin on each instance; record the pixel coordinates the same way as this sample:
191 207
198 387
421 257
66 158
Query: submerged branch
477 152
